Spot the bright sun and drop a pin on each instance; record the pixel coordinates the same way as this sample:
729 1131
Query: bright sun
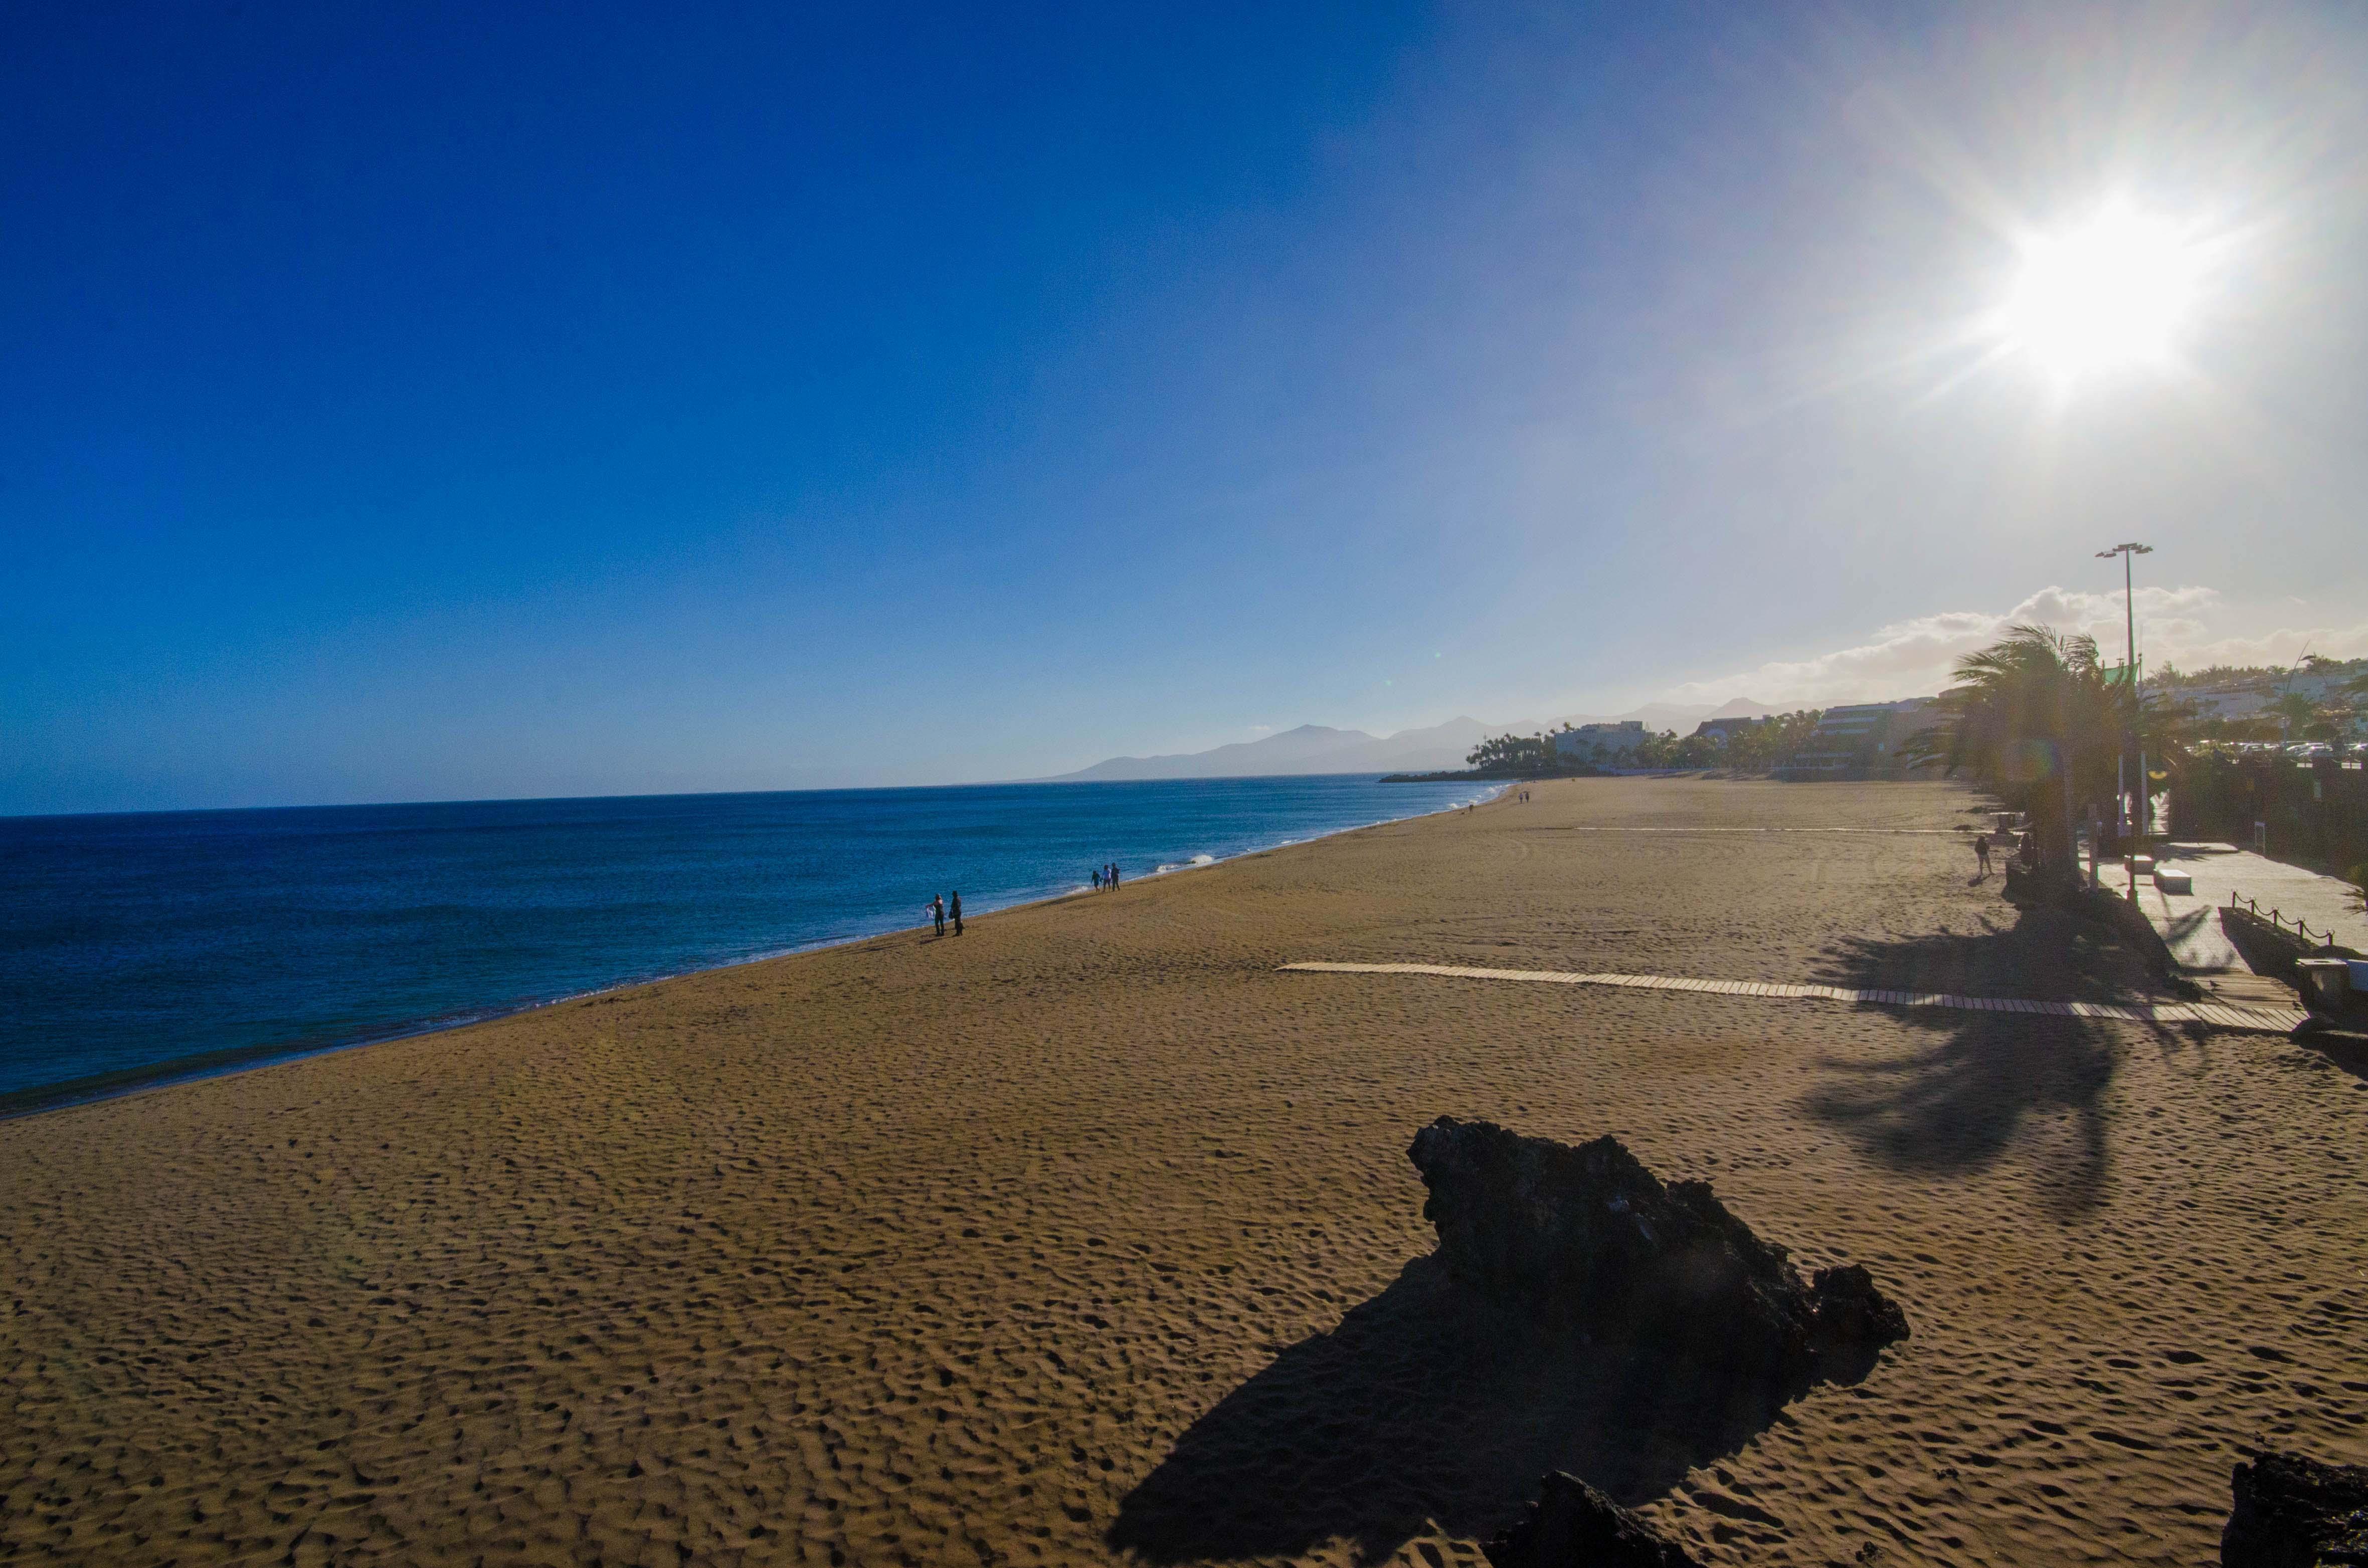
2112 294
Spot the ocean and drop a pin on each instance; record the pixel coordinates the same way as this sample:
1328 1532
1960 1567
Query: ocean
157 945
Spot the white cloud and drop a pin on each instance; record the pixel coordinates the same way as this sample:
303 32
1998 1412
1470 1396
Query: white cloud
1914 658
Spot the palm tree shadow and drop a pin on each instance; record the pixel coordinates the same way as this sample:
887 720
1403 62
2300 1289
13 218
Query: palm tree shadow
1428 1403
1987 1083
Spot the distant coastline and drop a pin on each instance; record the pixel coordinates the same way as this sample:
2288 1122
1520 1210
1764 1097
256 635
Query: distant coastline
1444 749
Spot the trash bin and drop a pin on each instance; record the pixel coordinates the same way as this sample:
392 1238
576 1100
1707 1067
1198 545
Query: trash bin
2326 984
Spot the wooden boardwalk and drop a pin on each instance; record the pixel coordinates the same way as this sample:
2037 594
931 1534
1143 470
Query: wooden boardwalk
2252 1020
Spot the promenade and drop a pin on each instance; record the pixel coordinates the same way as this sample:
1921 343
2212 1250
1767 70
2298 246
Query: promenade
2190 922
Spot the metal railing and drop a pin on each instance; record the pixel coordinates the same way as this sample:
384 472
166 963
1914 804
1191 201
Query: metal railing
2277 922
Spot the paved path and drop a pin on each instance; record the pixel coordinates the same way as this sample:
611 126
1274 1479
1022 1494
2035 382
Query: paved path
2190 924
2259 1020
1965 832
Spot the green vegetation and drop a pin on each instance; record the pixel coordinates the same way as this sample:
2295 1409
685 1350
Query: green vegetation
1760 746
2171 678
2037 720
1515 754
2291 714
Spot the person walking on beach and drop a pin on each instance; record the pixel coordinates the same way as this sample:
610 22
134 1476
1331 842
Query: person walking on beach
1982 856
1113 873
956 913
937 910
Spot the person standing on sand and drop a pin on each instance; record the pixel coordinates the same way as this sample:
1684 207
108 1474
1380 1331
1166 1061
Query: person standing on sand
937 910
1982 856
1113 873
956 913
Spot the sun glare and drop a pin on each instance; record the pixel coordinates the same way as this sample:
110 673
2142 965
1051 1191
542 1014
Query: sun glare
2112 294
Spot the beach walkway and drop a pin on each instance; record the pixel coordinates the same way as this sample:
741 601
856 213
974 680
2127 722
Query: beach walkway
2245 1020
2189 922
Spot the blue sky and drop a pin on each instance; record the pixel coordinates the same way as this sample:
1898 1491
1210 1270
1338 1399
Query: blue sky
430 403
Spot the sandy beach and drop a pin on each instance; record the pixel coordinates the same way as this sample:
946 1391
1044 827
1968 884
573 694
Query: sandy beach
1090 1235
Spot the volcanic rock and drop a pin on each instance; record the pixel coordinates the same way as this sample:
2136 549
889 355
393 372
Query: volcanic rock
1852 1312
1574 1526
1587 1237
2293 1512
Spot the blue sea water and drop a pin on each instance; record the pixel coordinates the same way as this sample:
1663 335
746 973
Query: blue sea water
157 942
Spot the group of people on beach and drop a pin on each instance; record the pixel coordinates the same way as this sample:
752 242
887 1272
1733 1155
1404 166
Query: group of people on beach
948 906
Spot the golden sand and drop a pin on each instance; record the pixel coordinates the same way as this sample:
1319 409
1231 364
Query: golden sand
1091 1233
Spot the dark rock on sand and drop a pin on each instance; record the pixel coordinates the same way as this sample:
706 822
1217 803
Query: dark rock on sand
1574 1526
2291 1512
1589 1237
1851 1313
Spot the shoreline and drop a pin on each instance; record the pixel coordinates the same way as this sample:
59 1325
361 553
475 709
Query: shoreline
1092 1238
120 1082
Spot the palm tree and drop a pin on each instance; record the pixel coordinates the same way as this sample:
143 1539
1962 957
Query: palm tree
2034 721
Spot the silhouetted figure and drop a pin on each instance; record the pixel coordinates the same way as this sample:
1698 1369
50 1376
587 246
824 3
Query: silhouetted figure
1982 856
938 909
1098 878
1113 873
956 913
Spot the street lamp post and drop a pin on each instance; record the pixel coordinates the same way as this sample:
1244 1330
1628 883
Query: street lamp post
2130 674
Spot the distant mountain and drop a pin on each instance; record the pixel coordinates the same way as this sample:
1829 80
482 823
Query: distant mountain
1311 748
1316 748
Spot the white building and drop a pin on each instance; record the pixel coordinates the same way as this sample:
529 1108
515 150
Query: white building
2229 701
1607 744
2251 698
1860 740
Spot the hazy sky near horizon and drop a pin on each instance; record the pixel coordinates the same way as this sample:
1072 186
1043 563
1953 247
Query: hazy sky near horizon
438 402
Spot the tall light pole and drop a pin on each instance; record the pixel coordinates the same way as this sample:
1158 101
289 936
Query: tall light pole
2130 671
